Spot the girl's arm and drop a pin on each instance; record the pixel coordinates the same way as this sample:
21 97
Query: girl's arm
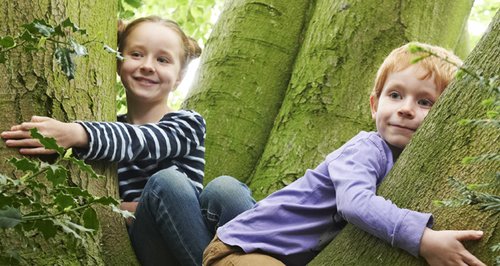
177 135
66 135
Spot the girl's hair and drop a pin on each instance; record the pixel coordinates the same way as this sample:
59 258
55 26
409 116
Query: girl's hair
189 45
401 58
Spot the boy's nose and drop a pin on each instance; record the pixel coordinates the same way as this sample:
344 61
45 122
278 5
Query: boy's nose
407 110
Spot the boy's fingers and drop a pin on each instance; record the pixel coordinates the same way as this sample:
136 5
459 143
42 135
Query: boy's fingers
471 260
468 235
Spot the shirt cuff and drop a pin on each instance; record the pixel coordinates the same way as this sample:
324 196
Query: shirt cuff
409 233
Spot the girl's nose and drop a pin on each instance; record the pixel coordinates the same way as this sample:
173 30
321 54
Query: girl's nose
147 65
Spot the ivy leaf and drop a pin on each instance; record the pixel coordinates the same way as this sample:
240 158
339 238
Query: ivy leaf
90 220
75 192
79 49
9 217
64 58
7 42
134 3
84 167
39 27
67 23
105 200
125 214
46 227
48 143
64 201
25 164
64 224
56 174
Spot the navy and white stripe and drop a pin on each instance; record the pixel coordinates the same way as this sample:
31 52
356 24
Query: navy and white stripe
142 150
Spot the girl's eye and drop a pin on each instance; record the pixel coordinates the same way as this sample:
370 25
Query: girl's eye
395 95
425 103
135 54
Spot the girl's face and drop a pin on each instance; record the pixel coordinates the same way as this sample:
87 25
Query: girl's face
152 66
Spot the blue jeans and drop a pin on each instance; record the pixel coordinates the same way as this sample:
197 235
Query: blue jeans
175 221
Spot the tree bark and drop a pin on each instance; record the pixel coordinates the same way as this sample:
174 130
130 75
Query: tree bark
243 76
327 98
33 84
434 154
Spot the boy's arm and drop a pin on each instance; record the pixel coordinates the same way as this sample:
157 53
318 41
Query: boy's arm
66 135
445 248
355 174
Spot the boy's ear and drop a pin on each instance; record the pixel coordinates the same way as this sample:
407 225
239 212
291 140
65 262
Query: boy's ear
373 105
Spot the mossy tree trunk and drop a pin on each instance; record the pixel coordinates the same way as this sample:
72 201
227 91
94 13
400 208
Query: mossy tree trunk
33 84
435 153
244 72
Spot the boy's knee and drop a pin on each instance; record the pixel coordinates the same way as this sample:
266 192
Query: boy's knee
225 186
169 179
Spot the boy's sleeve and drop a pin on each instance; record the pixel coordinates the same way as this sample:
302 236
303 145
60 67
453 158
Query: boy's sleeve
173 137
355 173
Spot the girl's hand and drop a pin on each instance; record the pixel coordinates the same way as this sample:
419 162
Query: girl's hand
66 135
445 247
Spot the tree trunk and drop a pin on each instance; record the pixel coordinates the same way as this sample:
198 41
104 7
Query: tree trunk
243 76
435 153
32 83
327 98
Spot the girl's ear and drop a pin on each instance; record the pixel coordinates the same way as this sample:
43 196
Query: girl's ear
373 106
180 77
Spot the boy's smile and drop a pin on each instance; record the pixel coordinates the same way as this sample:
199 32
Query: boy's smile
405 100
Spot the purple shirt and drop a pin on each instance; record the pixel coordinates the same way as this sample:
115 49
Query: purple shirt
295 223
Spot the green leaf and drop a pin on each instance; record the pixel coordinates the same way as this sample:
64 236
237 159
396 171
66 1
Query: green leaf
48 143
64 58
39 27
9 217
90 220
106 201
46 227
79 49
7 42
25 164
75 192
64 201
84 167
125 214
134 3
56 174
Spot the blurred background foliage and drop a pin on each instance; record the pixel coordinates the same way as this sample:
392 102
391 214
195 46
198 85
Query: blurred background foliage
196 18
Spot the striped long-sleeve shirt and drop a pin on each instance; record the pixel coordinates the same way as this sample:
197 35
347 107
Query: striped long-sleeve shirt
142 150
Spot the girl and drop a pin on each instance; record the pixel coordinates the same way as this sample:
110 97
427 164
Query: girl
160 152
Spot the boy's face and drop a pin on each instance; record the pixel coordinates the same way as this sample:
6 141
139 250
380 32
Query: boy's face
403 104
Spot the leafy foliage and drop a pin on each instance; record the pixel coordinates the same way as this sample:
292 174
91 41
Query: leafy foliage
475 194
37 33
44 200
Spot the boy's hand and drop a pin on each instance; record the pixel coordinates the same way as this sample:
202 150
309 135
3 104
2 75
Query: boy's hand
66 135
445 247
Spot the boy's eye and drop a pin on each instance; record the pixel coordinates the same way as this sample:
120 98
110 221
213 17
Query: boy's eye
394 95
163 60
425 102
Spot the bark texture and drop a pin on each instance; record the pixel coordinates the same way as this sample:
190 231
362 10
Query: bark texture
435 153
243 76
33 84
326 102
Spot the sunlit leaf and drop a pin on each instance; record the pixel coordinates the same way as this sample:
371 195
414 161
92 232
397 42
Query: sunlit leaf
79 49
9 217
39 27
134 3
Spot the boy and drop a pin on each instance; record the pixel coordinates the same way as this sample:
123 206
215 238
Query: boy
291 226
